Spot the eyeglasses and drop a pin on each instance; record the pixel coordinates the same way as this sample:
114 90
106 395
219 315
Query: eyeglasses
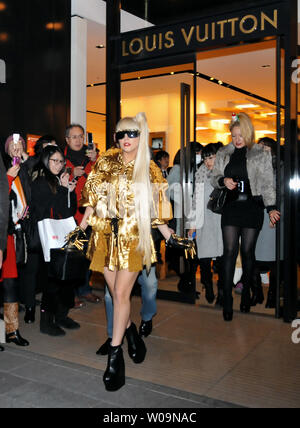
57 161
75 137
131 133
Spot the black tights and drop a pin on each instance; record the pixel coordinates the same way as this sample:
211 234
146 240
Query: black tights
231 235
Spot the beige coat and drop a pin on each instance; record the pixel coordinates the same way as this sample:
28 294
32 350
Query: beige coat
259 168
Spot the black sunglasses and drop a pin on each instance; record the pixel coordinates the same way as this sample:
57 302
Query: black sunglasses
131 133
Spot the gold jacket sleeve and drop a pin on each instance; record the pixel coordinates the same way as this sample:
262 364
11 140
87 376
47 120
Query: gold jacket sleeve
161 209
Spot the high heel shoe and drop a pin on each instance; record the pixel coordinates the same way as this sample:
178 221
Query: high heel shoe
227 315
114 375
145 328
104 348
136 346
15 337
245 308
29 317
257 296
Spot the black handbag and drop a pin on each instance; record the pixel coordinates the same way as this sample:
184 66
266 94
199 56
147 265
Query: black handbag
30 228
217 200
69 263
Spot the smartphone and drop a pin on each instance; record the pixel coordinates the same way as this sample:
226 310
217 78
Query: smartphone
16 138
16 160
90 145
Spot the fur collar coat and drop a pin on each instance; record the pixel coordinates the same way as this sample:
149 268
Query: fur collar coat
259 168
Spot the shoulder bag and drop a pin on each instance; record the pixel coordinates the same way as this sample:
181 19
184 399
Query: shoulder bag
217 200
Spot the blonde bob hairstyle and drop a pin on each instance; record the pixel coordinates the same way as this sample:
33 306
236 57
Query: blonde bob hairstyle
141 182
247 129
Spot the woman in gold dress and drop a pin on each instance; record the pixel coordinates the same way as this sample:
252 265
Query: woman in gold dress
124 197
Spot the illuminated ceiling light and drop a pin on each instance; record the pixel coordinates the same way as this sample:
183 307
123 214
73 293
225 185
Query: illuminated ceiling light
266 131
241 106
220 82
224 121
211 78
3 6
172 72
201 128
56 26
100 46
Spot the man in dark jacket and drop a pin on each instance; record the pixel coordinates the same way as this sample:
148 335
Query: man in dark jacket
4 206
80 160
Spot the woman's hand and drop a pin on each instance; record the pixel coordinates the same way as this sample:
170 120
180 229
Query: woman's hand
64 179
78 171
13 171
274 216
230 183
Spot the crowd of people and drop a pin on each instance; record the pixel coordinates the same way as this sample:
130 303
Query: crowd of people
122 204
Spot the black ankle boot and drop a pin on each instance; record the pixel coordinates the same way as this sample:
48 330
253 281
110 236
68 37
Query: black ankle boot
227 315
29 317
1 348
145 328
47 325
114 375
136 346
209 293
15 337
104 348
257 296
271 300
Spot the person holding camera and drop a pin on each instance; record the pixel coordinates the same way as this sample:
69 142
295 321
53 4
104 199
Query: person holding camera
53 196
19 194
79 162
246 170
4 211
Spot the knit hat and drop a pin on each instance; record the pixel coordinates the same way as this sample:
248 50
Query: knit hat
11 138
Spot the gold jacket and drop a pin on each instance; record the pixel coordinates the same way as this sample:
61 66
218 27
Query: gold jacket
109 191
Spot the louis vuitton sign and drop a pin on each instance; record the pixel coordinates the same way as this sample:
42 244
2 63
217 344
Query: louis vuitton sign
196 35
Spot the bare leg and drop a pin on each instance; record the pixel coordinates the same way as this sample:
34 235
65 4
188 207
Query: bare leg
120 284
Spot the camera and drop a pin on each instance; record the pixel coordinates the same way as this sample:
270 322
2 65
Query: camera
240 184
16 160
90 145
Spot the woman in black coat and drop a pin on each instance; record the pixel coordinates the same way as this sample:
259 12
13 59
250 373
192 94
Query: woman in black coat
246 170
53 196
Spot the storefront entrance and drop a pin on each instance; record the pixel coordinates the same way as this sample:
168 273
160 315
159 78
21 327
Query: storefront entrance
190 77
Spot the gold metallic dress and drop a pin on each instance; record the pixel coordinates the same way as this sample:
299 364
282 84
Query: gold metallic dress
115 236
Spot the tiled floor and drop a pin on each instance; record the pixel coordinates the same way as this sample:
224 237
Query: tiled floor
250 362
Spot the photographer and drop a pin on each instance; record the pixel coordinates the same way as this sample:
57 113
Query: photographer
80 160
246 170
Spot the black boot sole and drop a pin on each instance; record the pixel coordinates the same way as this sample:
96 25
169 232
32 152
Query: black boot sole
115 387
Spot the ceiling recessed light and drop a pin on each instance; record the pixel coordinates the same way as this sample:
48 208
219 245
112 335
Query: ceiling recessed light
266 66
100 46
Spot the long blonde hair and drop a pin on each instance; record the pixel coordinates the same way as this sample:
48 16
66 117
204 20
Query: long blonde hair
247 129
141 182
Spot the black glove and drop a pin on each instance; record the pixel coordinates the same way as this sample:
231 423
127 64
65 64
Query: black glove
77 239
182 244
